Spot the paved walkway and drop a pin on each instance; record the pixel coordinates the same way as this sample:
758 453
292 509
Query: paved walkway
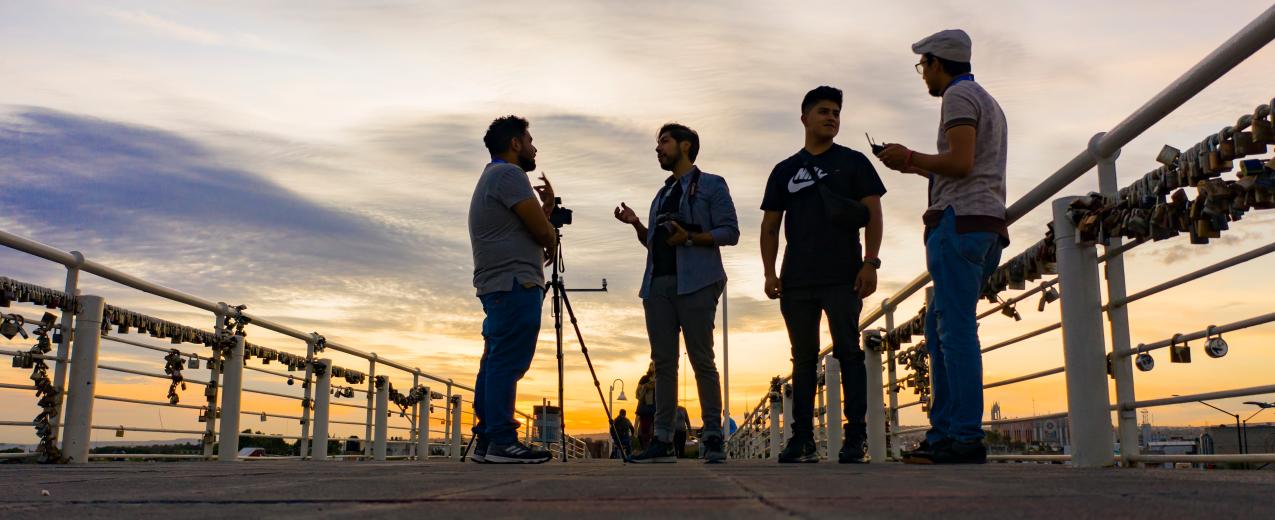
606 489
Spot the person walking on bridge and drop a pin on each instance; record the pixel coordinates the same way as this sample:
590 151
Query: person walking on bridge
965 231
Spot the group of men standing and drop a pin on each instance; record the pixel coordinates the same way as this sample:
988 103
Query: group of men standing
821 196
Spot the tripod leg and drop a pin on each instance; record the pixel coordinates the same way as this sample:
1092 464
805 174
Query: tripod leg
468 448
596 384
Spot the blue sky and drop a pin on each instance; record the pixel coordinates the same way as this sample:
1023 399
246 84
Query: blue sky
315 159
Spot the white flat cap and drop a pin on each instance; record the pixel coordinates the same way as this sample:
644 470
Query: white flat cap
949 44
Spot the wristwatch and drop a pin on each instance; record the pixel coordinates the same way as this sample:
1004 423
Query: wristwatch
689 243
874 262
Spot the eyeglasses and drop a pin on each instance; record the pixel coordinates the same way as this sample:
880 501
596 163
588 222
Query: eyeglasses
920 67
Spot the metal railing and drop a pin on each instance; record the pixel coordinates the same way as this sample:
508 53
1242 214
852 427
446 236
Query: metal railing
432 415
1088 364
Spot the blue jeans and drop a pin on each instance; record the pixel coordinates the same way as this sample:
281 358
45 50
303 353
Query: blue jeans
509 342
960 264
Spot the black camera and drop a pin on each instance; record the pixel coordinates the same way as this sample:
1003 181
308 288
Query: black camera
559 216
667 219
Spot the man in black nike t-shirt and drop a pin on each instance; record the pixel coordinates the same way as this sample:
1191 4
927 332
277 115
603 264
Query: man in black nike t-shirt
825 268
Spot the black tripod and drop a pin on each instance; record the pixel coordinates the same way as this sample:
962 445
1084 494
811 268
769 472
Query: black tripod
560 300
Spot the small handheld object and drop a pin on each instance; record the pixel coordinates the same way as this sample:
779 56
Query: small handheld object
876 148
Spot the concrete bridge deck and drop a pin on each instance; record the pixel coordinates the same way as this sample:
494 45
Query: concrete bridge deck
606 489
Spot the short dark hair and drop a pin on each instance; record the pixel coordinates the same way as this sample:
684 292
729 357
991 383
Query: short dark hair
502 130
682 134
822 93
952 68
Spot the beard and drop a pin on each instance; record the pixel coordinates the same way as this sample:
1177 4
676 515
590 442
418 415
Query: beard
527 163
669 161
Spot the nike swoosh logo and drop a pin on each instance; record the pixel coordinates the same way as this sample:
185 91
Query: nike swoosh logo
794 186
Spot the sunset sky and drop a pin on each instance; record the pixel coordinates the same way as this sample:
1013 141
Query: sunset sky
314 160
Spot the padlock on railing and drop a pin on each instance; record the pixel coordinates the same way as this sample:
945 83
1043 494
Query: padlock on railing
1179 353
1214 345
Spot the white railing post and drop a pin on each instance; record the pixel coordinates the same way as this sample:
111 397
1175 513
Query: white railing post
422 426
875 396
322 398
1084 350
307 394
382 417
371 404
67 328
887 310
1118 315
78 430
832 385
231 400
776 434
456 411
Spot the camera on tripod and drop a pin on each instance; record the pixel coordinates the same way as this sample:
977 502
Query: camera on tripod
559 216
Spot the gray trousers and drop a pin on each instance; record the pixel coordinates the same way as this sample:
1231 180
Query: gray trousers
692 314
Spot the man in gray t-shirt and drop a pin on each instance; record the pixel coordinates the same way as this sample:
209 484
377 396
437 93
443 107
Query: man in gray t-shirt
511 238
965 230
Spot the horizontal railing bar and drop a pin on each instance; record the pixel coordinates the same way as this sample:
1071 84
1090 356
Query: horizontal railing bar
1220 329
17 423
153 347
147 430
906 431
908 405
268 414
270 436
1047 416
148 374
1024 337
17 387
263 392
47 357
1030 458
1120 250
174 456
1194 275
1033 291
1222 394
334 403
1238 458
285 375
352 423
165 404
1028 377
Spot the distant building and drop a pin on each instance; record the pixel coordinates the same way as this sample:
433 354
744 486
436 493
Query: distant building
1055 434
1222 439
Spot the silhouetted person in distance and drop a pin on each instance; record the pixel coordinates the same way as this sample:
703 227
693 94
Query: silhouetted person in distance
623 434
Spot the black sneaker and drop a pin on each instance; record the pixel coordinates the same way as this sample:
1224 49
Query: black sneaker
659 452
853 451
961 452
799 450
479 454
923 454
714 453
514 453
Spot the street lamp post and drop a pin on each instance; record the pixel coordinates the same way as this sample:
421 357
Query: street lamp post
1261 407
615 435
1239 429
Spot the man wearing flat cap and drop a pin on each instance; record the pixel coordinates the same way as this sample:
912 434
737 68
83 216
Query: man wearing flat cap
965 231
